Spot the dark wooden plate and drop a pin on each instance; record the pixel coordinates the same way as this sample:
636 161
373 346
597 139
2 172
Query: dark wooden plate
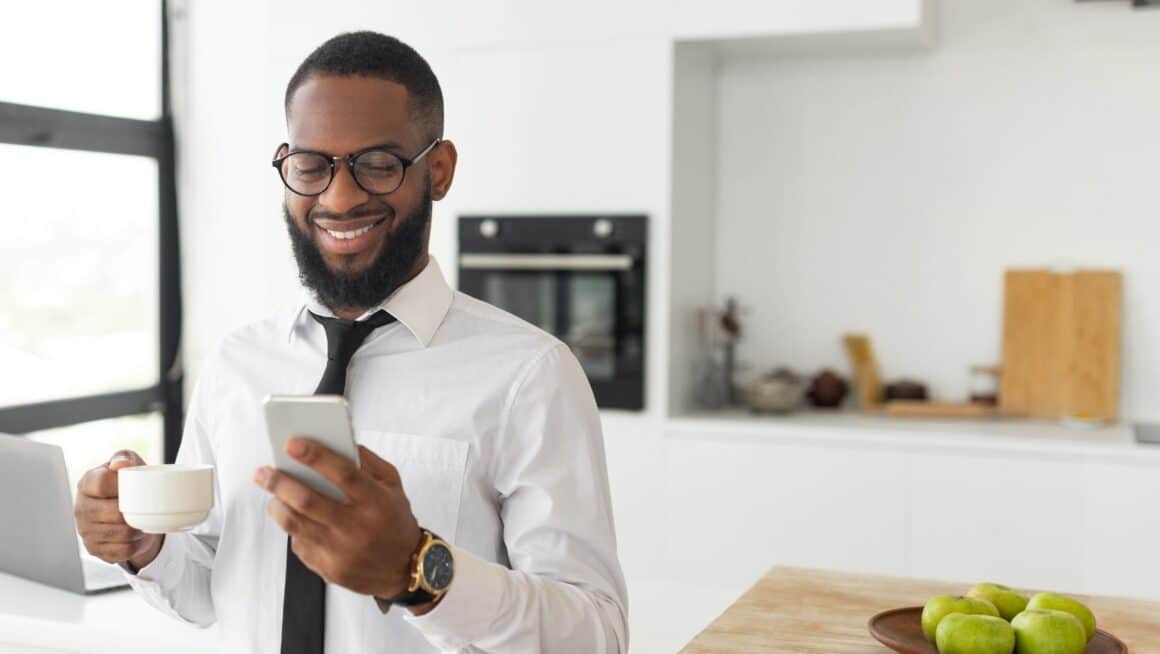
901 631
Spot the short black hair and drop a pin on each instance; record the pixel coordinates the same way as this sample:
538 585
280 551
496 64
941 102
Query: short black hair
371 54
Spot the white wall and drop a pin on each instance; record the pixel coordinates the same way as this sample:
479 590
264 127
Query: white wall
887 192
694 199
528 85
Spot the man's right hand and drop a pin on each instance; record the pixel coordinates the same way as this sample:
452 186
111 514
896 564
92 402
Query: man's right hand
99 520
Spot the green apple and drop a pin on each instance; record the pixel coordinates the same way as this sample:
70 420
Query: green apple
941 606
960 633
1067 605
1009 602
1044 631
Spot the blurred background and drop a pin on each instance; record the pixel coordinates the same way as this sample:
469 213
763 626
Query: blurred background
898 303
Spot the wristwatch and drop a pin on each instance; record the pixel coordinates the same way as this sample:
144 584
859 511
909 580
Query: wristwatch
432 569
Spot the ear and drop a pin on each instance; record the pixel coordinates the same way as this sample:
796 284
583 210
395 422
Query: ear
442 161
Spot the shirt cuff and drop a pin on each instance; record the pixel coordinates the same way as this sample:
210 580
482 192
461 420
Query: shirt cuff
467 611
165 566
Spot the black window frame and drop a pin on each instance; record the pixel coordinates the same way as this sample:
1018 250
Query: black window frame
54 128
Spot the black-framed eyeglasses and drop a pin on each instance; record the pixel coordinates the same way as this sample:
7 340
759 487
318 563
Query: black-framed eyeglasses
376 170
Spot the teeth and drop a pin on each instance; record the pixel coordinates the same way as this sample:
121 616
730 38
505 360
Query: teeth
348 235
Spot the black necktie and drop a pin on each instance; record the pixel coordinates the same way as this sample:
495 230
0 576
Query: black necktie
304 602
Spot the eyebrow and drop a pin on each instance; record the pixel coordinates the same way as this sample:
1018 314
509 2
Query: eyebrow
386 145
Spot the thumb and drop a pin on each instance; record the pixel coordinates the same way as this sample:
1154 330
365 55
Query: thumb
380 469
125 459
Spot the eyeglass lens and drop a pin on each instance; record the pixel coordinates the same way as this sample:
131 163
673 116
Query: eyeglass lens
376 171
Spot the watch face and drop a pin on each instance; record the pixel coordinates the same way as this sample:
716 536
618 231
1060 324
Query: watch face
438 567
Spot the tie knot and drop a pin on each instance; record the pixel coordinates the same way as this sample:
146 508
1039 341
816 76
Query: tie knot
343 337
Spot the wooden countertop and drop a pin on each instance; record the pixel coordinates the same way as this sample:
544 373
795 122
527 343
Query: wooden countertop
815 612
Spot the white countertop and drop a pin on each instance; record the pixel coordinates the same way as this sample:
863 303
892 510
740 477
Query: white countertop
1114 443
35 618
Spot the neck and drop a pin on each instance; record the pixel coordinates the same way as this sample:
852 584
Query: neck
352 313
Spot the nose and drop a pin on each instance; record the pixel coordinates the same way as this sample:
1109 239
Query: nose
343 194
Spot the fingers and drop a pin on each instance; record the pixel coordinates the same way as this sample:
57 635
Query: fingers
380 469
112 543
109 533
113 552
102 481
298 496
98 511
340 471
313 556
294 523
124 459
138 545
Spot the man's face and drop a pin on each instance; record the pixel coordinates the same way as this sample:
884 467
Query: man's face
339 116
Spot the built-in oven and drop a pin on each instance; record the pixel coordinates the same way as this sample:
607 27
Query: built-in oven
581 278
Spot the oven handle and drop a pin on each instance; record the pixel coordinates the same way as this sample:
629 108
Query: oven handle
545 261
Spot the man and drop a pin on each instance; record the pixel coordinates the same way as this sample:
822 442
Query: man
476 429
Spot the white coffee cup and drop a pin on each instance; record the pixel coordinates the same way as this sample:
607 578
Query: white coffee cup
165 498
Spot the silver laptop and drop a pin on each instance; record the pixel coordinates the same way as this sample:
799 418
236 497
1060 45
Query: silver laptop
39 539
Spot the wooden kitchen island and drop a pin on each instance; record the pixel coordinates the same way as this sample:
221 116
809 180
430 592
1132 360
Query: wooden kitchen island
796 611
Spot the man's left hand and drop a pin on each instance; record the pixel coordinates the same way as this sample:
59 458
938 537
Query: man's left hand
364 544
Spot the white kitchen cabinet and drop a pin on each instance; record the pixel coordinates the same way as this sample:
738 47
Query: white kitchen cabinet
1121 537
1018 521
735 508
1027 504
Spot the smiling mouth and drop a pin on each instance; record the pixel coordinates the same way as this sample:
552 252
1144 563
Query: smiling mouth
346 236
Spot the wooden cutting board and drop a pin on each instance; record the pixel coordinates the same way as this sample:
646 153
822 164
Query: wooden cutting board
1061 344
923 409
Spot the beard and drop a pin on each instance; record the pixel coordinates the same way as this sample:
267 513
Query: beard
391 267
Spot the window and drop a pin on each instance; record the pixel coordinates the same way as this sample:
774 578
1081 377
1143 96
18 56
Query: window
90 306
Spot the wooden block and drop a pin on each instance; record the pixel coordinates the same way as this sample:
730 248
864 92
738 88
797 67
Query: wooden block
865 365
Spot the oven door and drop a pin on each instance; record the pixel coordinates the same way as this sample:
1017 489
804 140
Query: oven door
592 302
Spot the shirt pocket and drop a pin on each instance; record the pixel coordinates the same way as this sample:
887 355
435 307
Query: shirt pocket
432 470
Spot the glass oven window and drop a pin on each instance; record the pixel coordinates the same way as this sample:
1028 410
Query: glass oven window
578 308
592 325
531 296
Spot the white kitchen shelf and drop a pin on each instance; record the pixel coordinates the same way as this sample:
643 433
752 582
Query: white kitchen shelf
1014 437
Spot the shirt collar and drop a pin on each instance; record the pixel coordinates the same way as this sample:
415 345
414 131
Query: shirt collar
420 304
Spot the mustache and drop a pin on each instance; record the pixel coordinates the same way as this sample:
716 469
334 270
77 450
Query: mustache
319 213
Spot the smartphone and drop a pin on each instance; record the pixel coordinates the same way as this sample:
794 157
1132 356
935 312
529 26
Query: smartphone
322 418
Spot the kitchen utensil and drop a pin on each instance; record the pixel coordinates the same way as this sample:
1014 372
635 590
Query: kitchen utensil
865 365
1147 433
779 392
827 390
904 390
984 385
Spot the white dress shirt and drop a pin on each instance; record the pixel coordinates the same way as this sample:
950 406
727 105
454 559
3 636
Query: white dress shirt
493 427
